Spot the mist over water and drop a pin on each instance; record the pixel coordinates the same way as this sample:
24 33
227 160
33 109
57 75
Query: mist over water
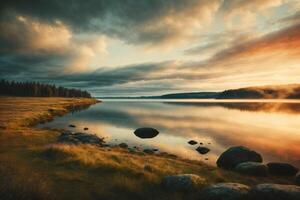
270 128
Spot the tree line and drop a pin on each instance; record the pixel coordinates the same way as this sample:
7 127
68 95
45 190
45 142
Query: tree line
35 89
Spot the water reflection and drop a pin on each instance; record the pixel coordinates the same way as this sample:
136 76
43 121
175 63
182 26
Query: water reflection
292 108
269 128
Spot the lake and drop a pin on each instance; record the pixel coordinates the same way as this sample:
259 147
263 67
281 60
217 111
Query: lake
271 128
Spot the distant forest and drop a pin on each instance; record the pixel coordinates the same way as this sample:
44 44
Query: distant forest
35 89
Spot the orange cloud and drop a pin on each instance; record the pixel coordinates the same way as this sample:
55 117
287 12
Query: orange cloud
25 35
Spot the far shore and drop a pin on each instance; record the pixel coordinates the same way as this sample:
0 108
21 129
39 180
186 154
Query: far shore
34 166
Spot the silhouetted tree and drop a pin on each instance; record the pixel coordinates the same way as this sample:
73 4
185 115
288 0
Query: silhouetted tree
35 89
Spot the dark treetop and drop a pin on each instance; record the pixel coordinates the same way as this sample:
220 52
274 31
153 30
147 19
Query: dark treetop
35 89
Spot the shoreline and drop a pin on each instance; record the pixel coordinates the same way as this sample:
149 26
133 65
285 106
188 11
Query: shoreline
65 171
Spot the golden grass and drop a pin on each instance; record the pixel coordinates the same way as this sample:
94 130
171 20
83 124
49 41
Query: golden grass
33 166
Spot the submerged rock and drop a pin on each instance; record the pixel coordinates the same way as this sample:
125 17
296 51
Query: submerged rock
77 138
236 155
275 192
203 150
225 191
72 126
182 182
146 132
149 151
192 142
282 169
123 145
252 168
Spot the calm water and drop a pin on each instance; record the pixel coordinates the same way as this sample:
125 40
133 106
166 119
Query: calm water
270 128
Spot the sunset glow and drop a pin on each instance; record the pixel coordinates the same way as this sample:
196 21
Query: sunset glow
111 48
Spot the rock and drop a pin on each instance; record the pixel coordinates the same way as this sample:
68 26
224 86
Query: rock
123 145
182 182
236 155
282 169
252 168
86 129
72 126
77 138
149 151
146 132
225 191
297 180
203 150
275 192
192 142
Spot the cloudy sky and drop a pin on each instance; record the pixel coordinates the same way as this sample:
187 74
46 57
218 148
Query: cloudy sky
150 47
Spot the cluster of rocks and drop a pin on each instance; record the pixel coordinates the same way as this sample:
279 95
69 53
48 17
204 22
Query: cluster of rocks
229 191
199 149
246 161
80 138
86 138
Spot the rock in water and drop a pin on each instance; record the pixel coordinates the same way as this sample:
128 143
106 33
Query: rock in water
182 182
192 142
72 126
252 168
282 169
203 150
146 132
236 155
86 129
123 145
275 192
225 191
148 151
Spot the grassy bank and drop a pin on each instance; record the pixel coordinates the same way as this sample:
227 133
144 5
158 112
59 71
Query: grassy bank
34 166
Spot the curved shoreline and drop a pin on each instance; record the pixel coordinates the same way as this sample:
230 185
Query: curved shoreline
31 159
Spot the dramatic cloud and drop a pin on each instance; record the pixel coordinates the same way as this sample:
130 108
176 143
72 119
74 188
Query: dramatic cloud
134 21
25 36
159 46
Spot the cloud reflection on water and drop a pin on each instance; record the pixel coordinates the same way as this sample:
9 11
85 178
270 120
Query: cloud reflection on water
269 128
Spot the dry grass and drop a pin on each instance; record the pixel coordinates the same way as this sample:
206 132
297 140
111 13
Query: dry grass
33 166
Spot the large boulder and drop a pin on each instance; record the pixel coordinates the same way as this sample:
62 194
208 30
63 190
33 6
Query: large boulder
275 192
225 191
182 182
252 168
146 132
236 155
79 138
282 169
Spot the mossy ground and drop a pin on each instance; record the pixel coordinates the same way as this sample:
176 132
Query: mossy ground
34 166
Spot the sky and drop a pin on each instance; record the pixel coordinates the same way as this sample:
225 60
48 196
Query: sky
150 47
